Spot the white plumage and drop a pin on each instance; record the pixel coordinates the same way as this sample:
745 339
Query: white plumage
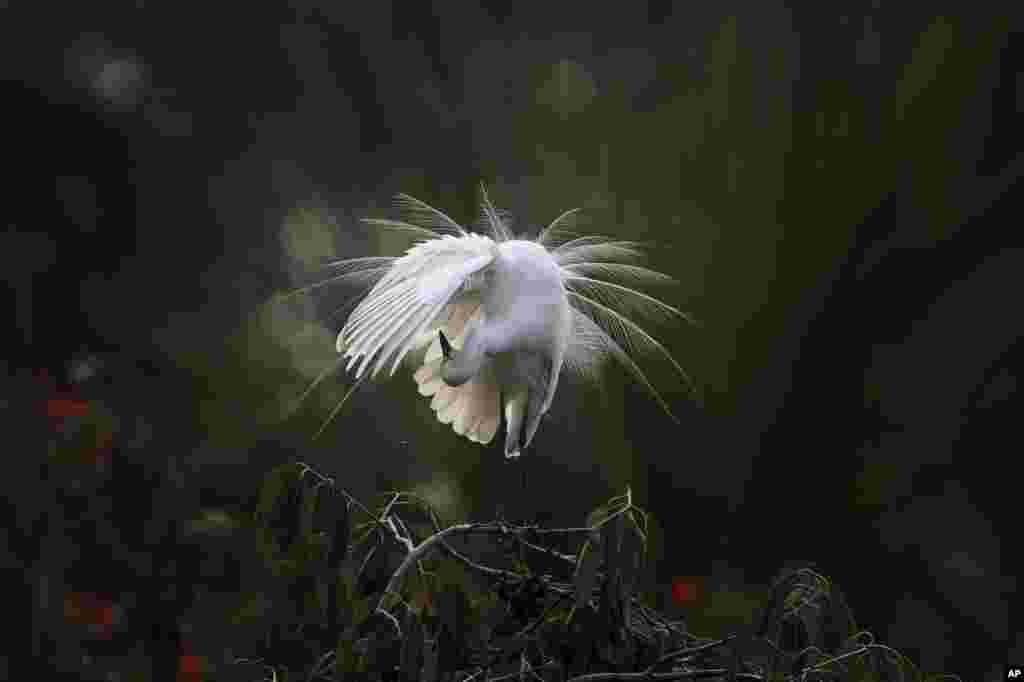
515 312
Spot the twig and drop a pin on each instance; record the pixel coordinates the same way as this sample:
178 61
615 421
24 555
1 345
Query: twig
439 538
684 675
479 568
672 655
540 619
320 665
518 674
571 558
420 551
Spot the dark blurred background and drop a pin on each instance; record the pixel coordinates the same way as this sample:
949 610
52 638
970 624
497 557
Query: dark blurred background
836 186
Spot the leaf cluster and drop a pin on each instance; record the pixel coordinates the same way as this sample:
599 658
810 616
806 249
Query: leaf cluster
386 593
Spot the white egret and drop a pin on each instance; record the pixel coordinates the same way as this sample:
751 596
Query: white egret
500 317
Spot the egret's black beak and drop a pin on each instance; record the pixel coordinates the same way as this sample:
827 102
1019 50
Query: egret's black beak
446 348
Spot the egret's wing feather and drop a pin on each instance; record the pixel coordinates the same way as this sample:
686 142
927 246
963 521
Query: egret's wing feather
410 298
438 286
461 307
395 316
404 316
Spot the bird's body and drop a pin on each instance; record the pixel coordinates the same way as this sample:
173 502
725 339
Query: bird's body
517 312
522 331
526 303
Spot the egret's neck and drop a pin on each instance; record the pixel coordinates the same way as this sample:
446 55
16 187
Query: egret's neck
465 363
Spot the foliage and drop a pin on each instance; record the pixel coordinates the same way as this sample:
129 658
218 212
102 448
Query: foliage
388 594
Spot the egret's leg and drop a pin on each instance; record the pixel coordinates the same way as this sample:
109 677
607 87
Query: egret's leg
515 491
515 411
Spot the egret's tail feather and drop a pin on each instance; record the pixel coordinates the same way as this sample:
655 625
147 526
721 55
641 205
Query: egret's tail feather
472 408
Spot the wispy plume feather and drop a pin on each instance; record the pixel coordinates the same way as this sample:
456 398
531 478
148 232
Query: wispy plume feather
560 229
490 217
413 296
423 215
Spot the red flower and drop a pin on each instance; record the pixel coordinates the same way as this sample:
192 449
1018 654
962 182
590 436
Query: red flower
190 666
91 611
60 407
60 402
686 591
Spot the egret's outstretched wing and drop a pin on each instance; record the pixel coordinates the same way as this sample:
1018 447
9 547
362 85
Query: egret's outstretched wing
409 299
